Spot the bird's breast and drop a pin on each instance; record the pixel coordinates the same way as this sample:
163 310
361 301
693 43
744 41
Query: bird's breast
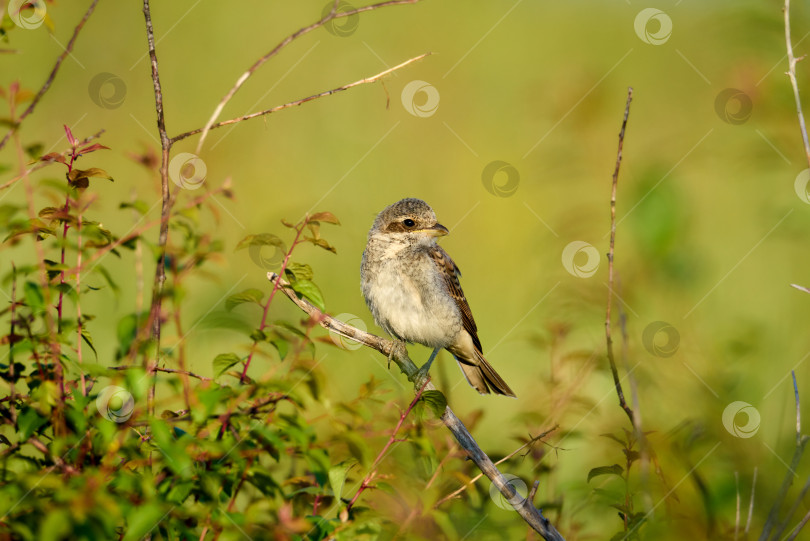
408 299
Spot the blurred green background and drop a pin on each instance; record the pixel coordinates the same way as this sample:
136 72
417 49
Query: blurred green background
710 229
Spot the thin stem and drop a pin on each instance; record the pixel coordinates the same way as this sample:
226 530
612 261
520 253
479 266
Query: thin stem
165 213
266 309
791 73
79 323
616 382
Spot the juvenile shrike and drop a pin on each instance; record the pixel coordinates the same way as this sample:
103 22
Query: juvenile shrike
411 287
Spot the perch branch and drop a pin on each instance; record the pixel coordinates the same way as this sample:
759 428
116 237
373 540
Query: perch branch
616 382
333 14
472 481
295 103
791 73
397 352
61 58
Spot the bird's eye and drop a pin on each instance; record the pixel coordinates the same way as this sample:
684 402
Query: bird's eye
408 222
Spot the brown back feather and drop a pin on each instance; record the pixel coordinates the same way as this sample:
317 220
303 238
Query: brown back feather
451 274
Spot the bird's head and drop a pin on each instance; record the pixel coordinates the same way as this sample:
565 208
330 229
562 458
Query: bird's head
407 221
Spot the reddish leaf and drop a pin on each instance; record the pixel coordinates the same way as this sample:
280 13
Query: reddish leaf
53 157
92 148
70 138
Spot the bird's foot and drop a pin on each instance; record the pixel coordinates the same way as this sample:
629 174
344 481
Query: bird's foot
423 374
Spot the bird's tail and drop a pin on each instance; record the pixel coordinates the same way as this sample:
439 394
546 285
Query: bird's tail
482 376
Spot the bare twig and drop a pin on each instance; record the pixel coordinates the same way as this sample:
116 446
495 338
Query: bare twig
799 527
295 103
396 352
791 73
333 14
168 371
165 212
608 338
61 58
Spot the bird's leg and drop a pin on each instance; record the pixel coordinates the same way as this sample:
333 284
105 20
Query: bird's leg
424 372
394 345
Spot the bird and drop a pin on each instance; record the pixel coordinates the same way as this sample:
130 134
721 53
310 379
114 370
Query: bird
412 288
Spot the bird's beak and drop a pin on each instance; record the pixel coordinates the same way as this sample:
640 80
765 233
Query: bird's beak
437 230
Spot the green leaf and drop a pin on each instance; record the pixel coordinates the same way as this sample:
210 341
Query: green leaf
299 271
264 239
28 422
55 525
89 340
337 477
248 295
327 217
138 205
142 519
308 289
33 297
605 470
281 345
223 362
436 401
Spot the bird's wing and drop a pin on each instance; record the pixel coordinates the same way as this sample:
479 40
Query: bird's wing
451 274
